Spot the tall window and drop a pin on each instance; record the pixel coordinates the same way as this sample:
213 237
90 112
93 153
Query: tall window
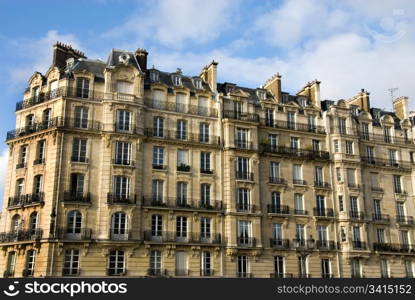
182 158
23 156
342 125
33 222
242 266
204 132
30 262
156 225
356 268
79 150
380 234
404 238
125 87
242 167
387 134
392 157
157 191
336 146
356 235
122 153
400 211
158 157
273 141
409 269
397 184
242 138
244 203
155 262
202 104
116 265
322 234
365 131
384 268
325 268
46 117
205 195
181 102
20 190
16 224
339 174
302 266
181 133
74 222
370 154
119 226
279 266
351 177
316 145
318 176
158 124
124 119
294 143
311 123
121 187
37 185
205 228
269 117
300 234
321 205
181 227
77 184
40 155
11 263
276 201
158 95
349 147
238 109
82 87
274 171
181 193
244 232
205 162
206 264
298 203
30 121
297 174
277 233
290 120
354 207
377 210
81 117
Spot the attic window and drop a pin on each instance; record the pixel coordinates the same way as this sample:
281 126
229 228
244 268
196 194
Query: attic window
154 76
261 95
177 80
197 83
302 101
355 110
284 98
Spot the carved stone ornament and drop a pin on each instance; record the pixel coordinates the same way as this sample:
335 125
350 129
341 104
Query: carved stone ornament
124 58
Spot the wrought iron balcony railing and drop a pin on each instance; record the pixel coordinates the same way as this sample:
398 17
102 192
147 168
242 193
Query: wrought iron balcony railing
154 236
277 180
359 245
244 241
26 200
326 245
69 196
293 126
390 163
183 136
323 212
182 203
73 233
280 243
182 108
121 199
292 152
21 235
380 218
278 209
235 115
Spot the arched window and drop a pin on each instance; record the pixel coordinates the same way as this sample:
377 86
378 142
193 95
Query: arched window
116 264
16 224
74 222
33 222
119 226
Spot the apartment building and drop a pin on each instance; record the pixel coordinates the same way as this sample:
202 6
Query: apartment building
117 169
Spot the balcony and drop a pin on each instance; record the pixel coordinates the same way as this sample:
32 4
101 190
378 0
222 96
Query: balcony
248 117
280 243
293 126
247 208
21 236
380 218
117 234
326 245
60 92
157 272
123 162
243 241
405 220
73 197
28 272
152 236
26 200
242 144
298 153
113 199
278 209
359 245
322 185
323 212
183 168
353 185
73 234
356 215
182 136
182 108
397 248
387 163
303 244
206 171
159 167
376 189
181 203
21 165
80 159
300 212
277 180
244 176
299 182
39 161
384 138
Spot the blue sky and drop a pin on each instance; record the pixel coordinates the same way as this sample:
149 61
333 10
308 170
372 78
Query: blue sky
348 46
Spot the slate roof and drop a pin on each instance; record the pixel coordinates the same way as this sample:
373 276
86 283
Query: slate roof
115 55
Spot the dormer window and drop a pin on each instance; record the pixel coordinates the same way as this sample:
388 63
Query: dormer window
35 93
154 76
302 101
261 95
197 83
284 98
355 110
177 80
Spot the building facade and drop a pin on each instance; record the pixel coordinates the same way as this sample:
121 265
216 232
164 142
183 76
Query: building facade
117 169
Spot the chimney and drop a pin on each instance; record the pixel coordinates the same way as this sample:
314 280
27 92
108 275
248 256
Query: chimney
400 107
361 100
273 85
62 52
312 92
209 74
141 56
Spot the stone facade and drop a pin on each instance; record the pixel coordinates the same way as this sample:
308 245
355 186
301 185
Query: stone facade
120 170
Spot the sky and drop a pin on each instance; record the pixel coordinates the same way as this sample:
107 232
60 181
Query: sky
347 45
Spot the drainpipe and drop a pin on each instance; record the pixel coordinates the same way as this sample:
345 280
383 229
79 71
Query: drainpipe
221 136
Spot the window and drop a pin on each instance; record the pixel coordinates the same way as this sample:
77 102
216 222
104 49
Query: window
351 177
392 158
157 191
37 185
302 266
339 175
316 145
244 203
181 102
36 93
205 228
269 117
20 188
30 121
125 87
397 185
342 125
33 223
370 155
197 83
46 117
274 171
404 238
277 233
82 87
341 203
238 109
77 184
400 211
155 262
116 263
30 263
297 174
318 176
354 207
158 123
156 225
16 224
273 141
204 132
356 268
181 133
242 138
387 135
181 263
11 264
81 117
123 120
159 99
203 109
294 143
384 268
23 156
244 232
54 89
279 266
365 131
349 147
40 155
300 234
276 202
291 120
336 146
242 168
356 235
325 268
206 264
158 157
182 160
242 266
409 269
121 187
322 235
181 227
154 76
380 234
177 80
74 222
181 191
205 162
79 150
311 123
122 153
374 181
298 203
119 226
205 195
321 205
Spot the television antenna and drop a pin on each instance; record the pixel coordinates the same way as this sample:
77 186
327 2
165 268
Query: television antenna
392 93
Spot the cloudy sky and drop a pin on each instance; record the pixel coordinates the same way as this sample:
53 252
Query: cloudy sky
348 45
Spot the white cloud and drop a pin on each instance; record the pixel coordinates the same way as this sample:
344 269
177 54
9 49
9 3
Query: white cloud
4 158
172 22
